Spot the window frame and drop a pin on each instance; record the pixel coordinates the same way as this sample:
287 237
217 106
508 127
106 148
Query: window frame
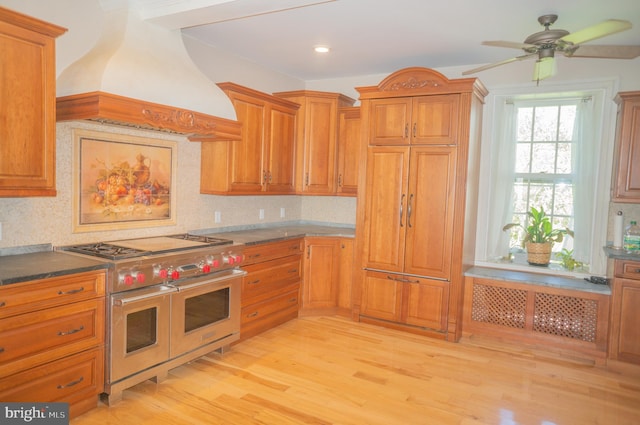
602 93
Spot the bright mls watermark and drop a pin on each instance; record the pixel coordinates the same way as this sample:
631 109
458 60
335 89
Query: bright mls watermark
34 413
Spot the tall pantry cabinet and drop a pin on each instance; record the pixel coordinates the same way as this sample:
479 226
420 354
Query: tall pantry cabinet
417 203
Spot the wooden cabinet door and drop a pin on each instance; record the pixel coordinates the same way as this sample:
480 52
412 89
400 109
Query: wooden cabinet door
27 109
429 216
280 164
321 273
345 275
381 297
319 165
624 342
348 151
627 182
435 120
389 122
426 304
386 208
247 156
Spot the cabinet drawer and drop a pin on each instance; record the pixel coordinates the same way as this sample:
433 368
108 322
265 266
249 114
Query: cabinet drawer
628 269
268 314
24 297
35 338
69 379
264 252
259 310
265 280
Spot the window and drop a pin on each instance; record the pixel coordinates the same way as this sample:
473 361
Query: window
551 149
543 178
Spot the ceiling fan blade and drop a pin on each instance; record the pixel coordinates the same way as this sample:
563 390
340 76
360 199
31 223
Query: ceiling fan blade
511 44
544 68
599 51
493 65
602 29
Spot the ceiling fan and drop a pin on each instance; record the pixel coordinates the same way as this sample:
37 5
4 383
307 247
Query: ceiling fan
546 43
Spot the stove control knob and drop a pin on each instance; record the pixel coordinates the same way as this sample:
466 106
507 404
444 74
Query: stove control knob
175 274
206 268
140 277
215 263
228 259
163 273
238 258
127 279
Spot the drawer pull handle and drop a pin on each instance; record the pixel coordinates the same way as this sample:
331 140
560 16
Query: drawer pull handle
2 303
293 300
254 282
400 279
73 291
254 256
1 349
293 271
72 331
71 384
254 314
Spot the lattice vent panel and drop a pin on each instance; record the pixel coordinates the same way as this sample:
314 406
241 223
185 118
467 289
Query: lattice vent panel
500 306
569 317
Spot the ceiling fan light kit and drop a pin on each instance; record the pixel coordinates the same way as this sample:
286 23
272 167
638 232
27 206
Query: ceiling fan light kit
544 44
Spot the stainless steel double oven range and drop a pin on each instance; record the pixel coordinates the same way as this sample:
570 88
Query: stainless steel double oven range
171 299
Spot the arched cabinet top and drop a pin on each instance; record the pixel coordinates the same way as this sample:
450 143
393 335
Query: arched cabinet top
417 81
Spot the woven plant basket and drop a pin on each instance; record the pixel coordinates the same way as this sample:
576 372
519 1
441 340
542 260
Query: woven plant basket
539 254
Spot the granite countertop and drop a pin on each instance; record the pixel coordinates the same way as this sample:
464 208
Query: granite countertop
41 265
620 254
538 279
266 234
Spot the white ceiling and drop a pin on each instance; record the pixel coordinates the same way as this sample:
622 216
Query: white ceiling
379 36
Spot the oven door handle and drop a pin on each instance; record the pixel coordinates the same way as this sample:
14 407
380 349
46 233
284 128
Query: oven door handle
156 291
209 280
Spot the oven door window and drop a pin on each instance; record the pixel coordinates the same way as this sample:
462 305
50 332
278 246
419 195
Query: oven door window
206 309
142 329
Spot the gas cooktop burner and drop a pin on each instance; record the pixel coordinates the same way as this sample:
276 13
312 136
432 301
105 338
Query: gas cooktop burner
107 250
201 238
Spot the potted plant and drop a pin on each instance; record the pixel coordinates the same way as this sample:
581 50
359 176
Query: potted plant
539 236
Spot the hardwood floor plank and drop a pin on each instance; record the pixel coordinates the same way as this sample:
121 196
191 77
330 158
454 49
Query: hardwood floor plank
330 370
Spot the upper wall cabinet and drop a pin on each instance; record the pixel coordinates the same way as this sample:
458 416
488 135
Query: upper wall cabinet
348 151
316 139
263 162
422 120
626 181
27 105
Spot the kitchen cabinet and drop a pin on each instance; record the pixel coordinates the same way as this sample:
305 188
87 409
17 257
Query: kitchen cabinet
271 287
626 181
52 338
416 211
27 105
263 162
316 139
326 287
420 120
348 151
624 341
409 215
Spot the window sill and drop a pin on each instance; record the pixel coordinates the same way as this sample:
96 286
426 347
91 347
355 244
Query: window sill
519 263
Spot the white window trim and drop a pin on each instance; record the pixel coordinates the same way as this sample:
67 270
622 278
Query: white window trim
603 92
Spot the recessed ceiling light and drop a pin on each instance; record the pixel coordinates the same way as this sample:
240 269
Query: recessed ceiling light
321 49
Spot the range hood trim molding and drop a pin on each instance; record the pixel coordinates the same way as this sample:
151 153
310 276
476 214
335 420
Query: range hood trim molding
120 110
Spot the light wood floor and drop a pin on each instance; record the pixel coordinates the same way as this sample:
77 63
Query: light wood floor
329 370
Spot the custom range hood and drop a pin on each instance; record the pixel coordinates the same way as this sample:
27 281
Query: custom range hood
140 75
